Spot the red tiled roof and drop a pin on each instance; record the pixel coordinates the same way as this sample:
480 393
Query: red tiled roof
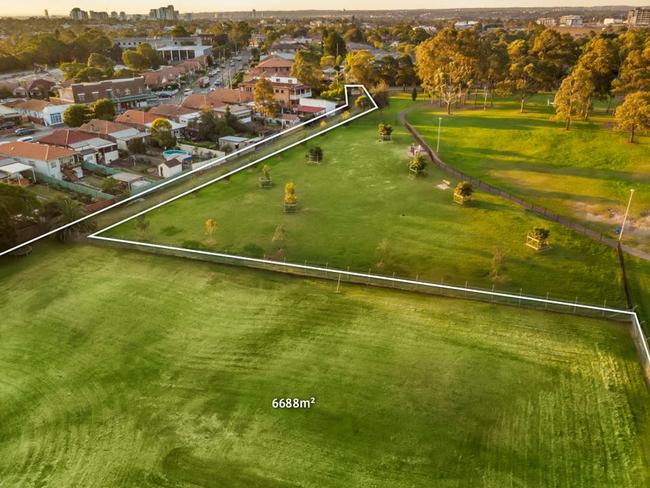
275 62
32 150
136 117
64 137
170 110
98 126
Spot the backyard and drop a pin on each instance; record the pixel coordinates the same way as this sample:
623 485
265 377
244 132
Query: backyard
131 369
360 209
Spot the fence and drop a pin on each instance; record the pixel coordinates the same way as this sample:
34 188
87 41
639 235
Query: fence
86 190
99 168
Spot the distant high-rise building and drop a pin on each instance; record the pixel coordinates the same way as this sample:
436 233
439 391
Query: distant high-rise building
163 13
122 15
639 16
113 14
47 14
78 14
101 16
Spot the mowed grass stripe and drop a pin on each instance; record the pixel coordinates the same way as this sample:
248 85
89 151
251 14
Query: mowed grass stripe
153 371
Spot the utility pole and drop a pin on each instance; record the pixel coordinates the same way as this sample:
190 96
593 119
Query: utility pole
627 211
438 143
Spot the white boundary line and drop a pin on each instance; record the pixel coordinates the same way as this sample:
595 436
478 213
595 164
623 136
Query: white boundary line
338 272
213 163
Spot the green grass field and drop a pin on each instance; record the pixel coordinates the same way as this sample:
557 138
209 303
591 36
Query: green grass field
585 173
134 370
360 209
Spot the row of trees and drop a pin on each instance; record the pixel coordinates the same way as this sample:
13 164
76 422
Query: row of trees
78 114
524 63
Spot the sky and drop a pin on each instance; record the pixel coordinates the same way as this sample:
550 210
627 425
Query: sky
63 7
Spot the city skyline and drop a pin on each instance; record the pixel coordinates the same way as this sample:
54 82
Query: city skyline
37 7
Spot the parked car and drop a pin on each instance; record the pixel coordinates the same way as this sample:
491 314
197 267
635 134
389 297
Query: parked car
25 139
23 131
188 92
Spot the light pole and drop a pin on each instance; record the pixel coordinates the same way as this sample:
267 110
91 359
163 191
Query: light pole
438 143
627 210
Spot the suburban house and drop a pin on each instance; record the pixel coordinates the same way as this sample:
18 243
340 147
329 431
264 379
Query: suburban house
41 112
271 67
243 113
162 77
9 117
40 88
125 93
144 120
175 112
52 161
91 147
167 169
121 134
286 93
197 101
276 69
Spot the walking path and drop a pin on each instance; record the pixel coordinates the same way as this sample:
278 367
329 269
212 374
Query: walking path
542 211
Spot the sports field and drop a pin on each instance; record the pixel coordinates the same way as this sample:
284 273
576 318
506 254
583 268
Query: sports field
585 173
360 209
134 370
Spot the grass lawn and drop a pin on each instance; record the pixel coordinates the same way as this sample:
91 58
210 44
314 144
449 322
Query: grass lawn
585 173
134 370
360 209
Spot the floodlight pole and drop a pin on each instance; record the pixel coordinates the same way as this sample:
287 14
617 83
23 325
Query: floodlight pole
627 210
438 143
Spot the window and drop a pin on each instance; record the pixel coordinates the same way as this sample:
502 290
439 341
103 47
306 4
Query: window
56 118
81 97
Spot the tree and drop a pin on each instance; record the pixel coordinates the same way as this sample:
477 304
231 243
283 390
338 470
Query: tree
135 61
634 74
417 164
600 59
136 146
447 64
414 94
161 133
333 44
555 52
573 99
315 154
150 54
75 115
387 70
360 68
307 71
525 74
633 115
290 199
103 109
264 98
14 201
210 228
405 75
180 31
96 60
69 211
385 131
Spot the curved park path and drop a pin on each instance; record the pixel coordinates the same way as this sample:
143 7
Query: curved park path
542 211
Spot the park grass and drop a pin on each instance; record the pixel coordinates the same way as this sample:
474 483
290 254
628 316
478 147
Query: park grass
136 370
585 173
359 209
